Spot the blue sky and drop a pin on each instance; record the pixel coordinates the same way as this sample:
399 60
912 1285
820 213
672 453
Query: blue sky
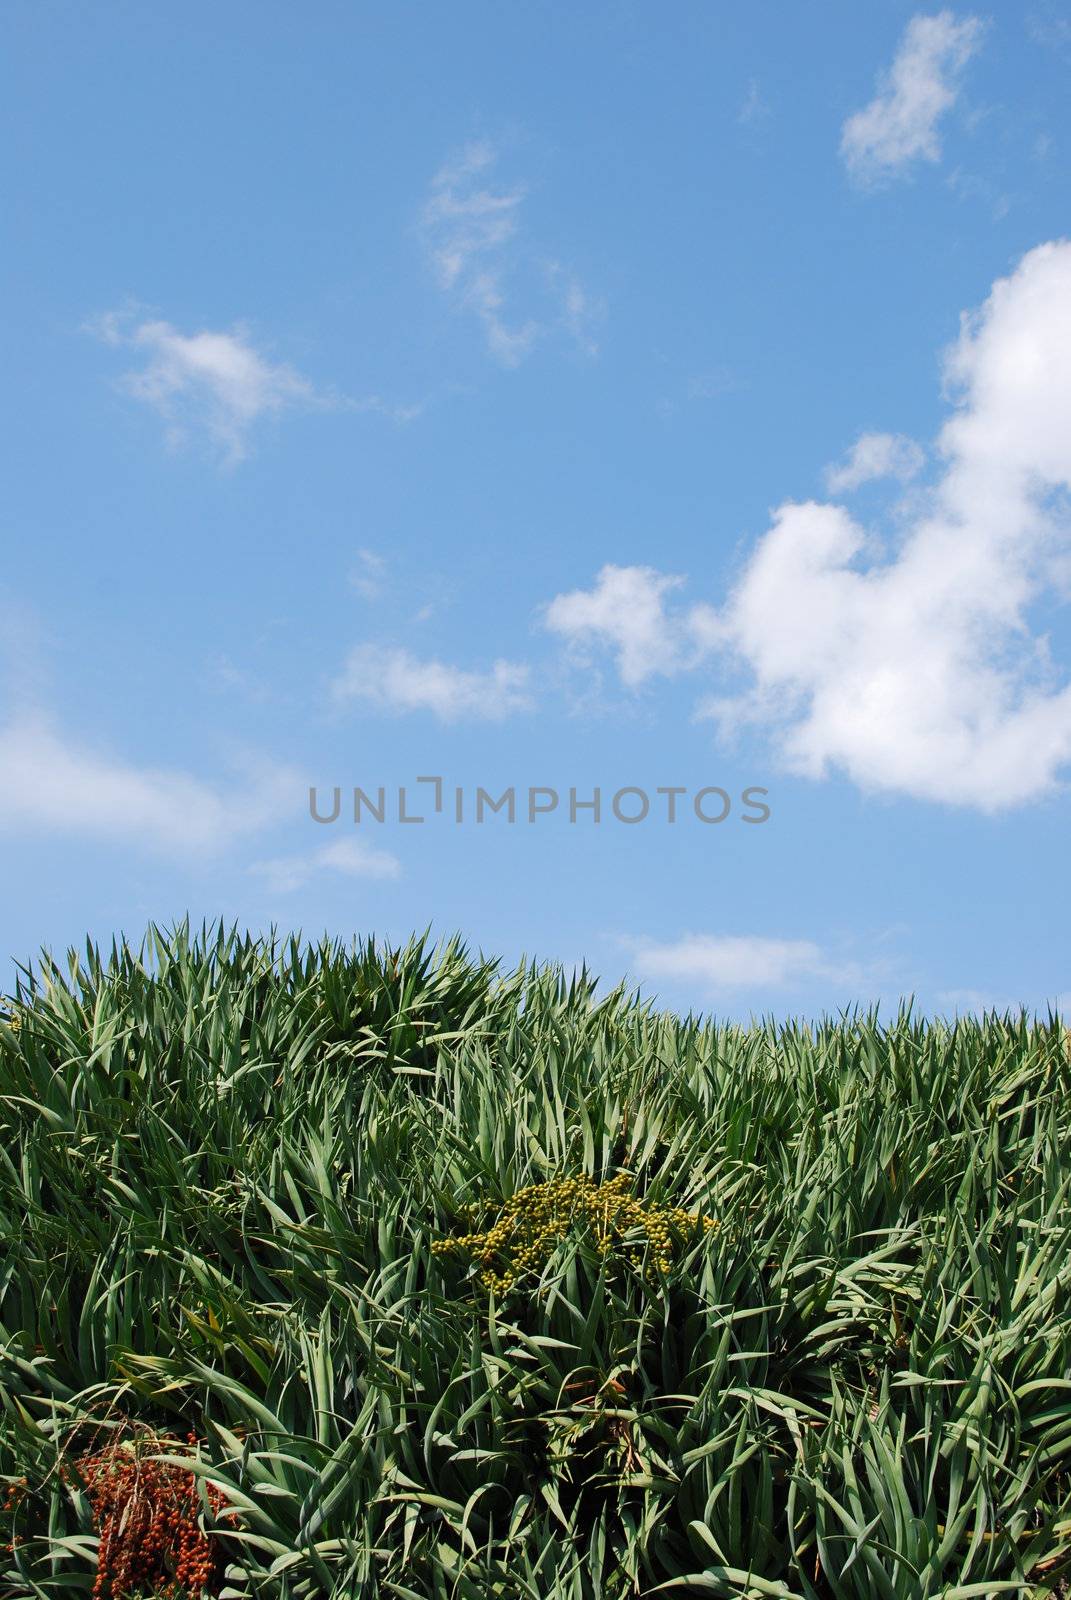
561 397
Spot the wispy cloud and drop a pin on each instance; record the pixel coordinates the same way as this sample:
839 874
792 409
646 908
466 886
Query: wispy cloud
214 385
353 858
468 227
56 785
979 1002
211 384
712 384
392 679
472 232
223 675
368 574
753 107
579 312
899 126
1050 25
628 612
970 1002
391 410
973 186
719 965
874 456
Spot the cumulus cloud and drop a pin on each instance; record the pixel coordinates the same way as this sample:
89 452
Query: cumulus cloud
354 858
911 665
720 964
471 230
208 383
626 612
915 670
873 456
899 126
396 680
57 785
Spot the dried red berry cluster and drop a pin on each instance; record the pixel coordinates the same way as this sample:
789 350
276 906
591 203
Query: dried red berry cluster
13 1498
14 1493
146 1513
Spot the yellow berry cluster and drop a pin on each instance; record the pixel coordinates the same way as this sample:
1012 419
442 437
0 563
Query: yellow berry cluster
534 1219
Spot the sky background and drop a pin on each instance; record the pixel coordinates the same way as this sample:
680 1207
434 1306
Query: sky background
580 397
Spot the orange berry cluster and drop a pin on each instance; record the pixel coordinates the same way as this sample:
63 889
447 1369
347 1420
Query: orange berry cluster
16 1490
146 1513
14 1495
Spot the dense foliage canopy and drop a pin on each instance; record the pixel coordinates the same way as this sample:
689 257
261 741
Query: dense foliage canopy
449 1282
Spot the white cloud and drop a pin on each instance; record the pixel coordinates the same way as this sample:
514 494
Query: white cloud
626 611
1048 25
711 385
912 667
580 314
972 186
721 963
978 1002
223 675
392 410
972 1002
873 456
212 383
467 228
753 107
899 126
471 230
55 785
395 680
915 671
355 858
368 574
